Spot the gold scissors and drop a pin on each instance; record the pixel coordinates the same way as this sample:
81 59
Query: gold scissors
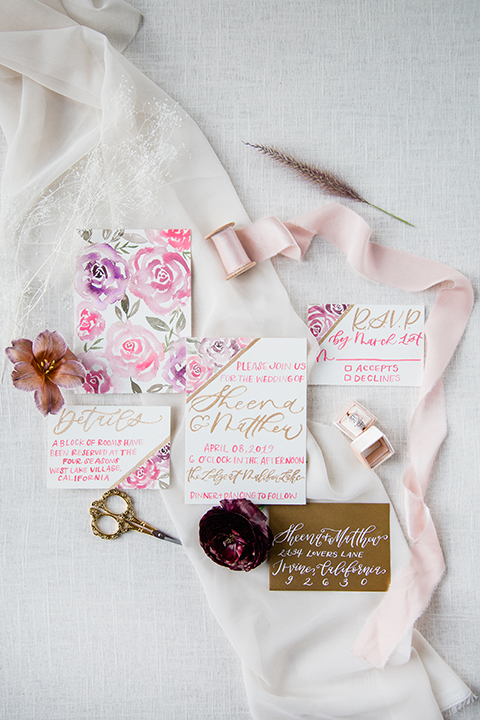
126 520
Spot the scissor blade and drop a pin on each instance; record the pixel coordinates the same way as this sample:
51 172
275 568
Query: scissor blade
161 536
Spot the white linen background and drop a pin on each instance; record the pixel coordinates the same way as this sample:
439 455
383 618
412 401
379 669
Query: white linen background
387 93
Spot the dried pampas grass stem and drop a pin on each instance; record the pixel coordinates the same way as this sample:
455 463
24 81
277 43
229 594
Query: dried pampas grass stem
327 181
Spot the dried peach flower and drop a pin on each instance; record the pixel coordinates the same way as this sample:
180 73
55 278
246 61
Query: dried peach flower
43 366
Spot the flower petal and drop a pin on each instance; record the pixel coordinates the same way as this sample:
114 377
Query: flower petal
235 539
246 508
69 355
25 377
49 346
68 374
21 351
48 398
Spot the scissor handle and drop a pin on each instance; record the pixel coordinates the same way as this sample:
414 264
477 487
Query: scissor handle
99 509
120 493
125 520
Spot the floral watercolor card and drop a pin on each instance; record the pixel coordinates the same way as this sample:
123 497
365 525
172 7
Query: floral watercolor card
368 344
246 420
104 447
132 310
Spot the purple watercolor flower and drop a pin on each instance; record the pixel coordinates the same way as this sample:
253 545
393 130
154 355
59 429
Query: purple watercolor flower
174 368
163 456
101 276
218 350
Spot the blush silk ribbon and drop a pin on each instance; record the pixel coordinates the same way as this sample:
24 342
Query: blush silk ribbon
410 591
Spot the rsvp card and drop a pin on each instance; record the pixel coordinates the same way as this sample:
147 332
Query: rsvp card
246 420
104 447
330 546
367 344
132 310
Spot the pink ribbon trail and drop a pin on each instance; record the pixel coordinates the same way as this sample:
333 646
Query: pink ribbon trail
410 591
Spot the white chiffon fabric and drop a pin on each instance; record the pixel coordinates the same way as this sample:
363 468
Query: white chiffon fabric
94 143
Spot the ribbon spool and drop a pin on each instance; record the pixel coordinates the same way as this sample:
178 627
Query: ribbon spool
232 253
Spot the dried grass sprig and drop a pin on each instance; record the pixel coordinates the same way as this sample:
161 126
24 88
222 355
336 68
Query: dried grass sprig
327 181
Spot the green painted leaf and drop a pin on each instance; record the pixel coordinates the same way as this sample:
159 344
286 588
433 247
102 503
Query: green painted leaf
125 303
134 309
181 323
157 324
85 234
118 313
118 234
135 388
155 388
106 234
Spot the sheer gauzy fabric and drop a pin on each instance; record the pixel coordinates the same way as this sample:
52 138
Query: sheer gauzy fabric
93 143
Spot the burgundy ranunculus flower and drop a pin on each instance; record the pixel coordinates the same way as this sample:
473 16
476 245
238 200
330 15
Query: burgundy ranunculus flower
236 535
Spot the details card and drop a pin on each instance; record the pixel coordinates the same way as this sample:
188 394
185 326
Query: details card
246 420
132 310
367 344
103 447
331 546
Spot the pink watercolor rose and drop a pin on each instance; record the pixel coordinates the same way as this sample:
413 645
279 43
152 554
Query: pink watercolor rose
143 478
178 239
146 476
243 342
160 278
97 375
90 322
133 351
198 370
322 317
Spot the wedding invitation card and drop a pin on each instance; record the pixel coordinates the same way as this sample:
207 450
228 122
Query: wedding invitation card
132 310
102 447
246 420
330 546
367 344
